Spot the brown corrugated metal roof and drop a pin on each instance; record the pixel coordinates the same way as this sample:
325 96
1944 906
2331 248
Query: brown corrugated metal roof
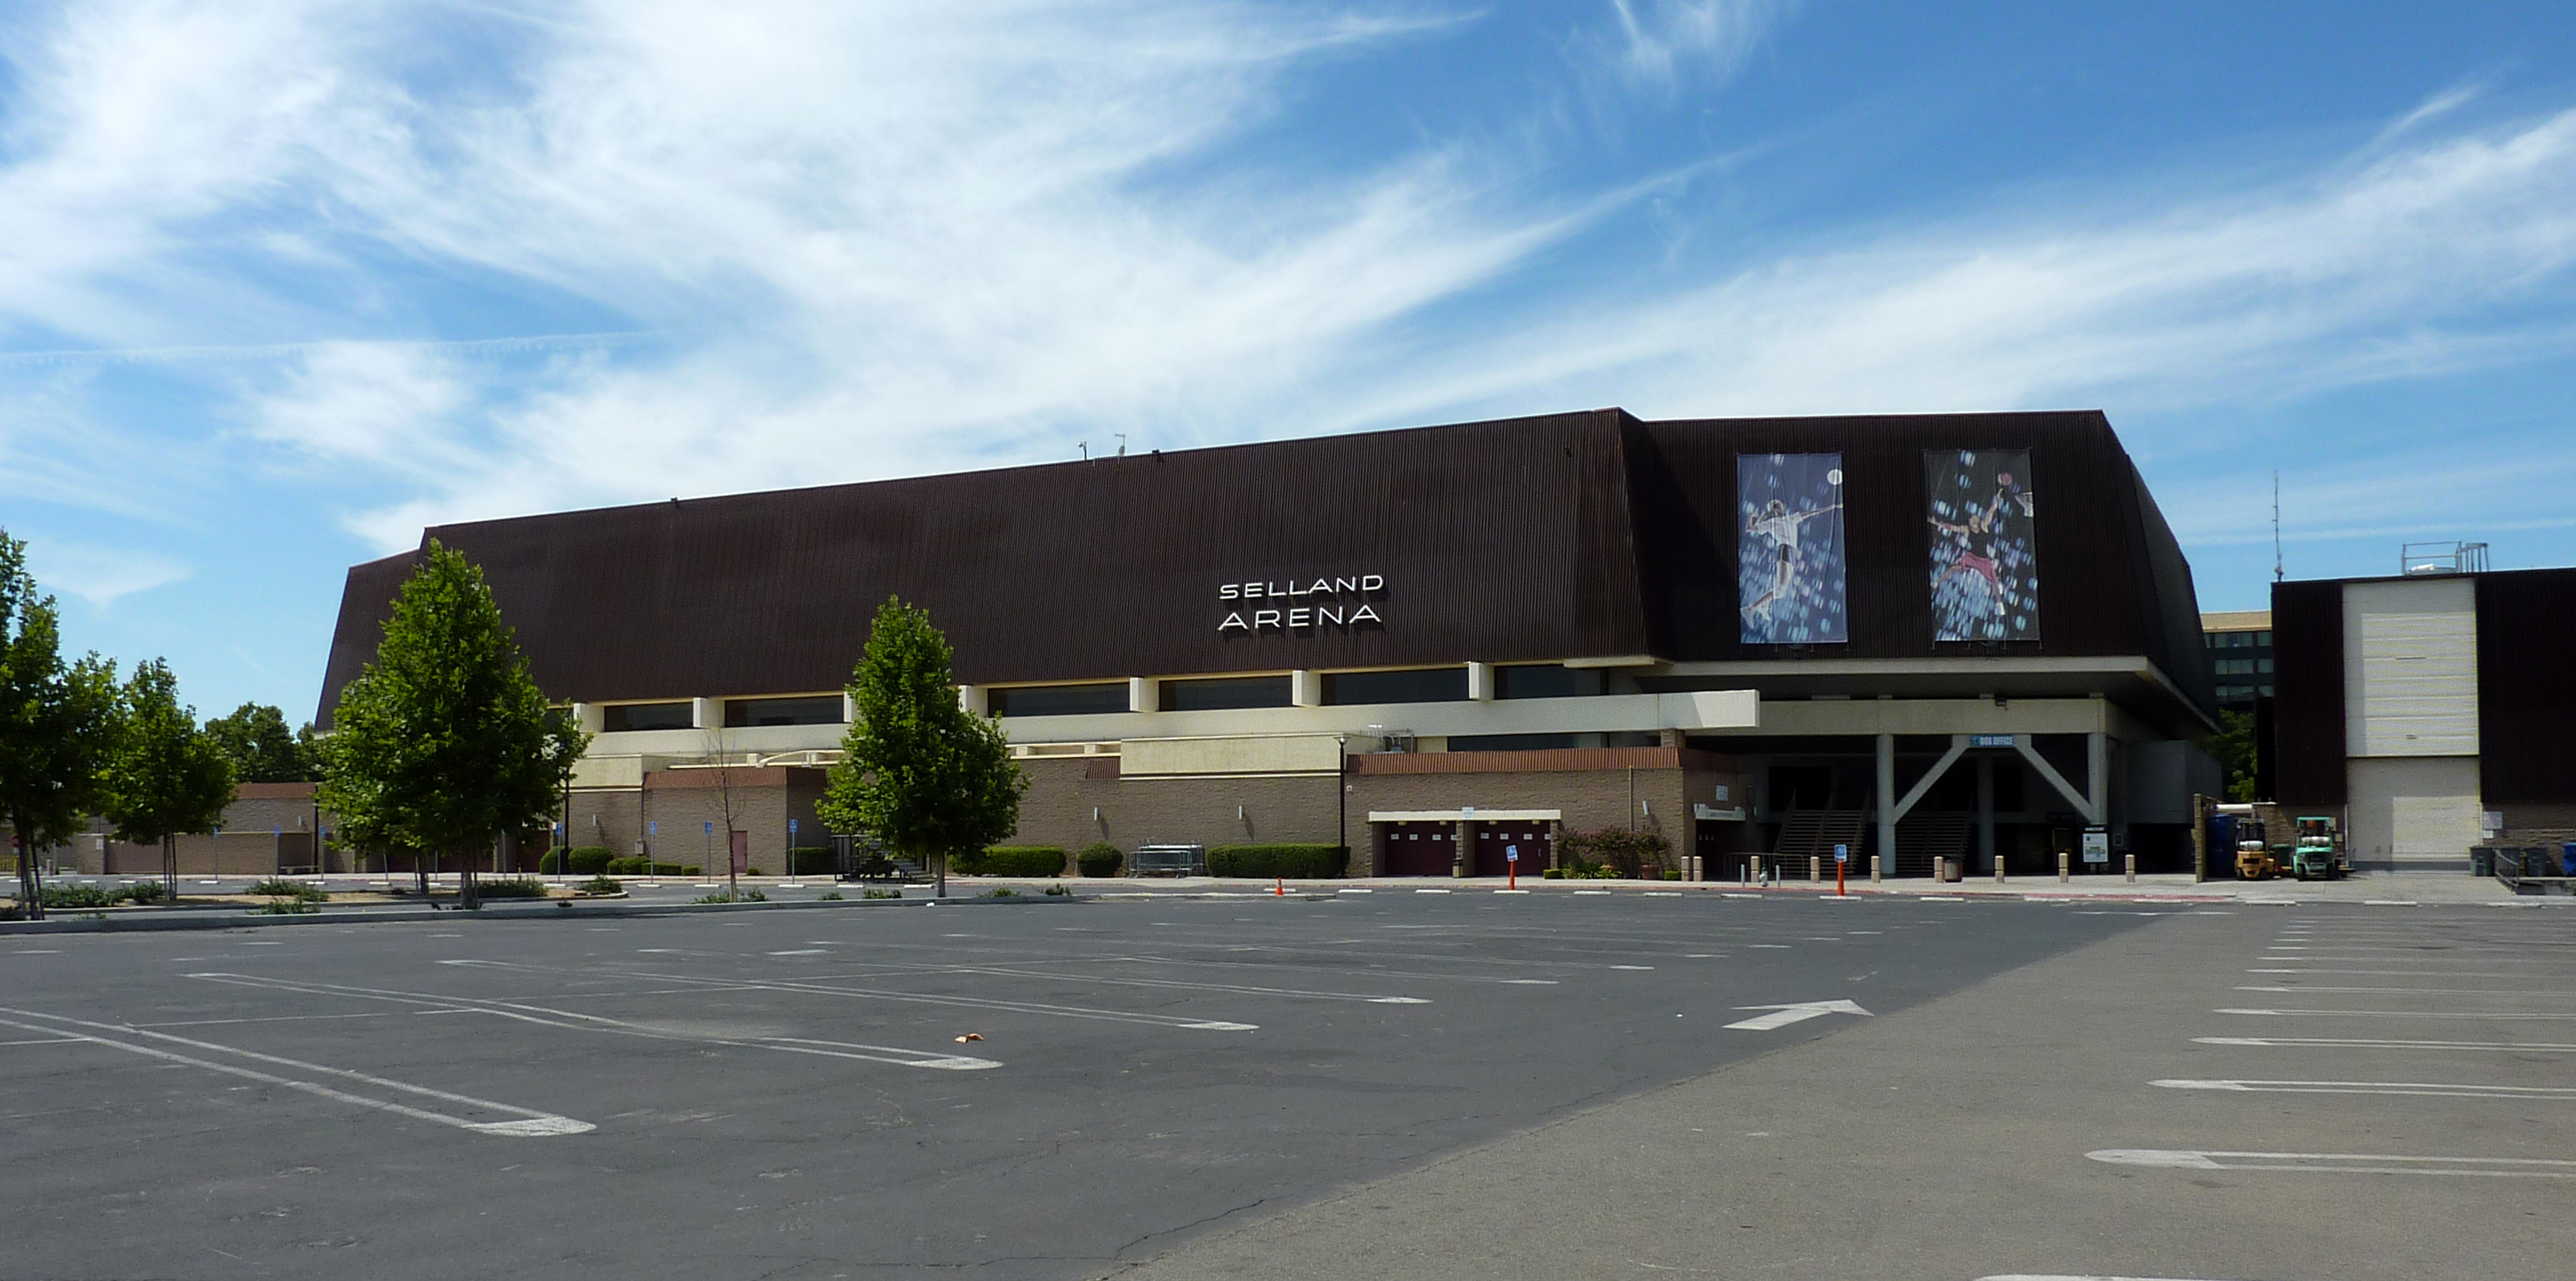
1530 539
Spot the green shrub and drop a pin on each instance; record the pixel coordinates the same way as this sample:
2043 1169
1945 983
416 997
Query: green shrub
141 892
1057 890
1672 875
811 860
881 894
603 884
510 887
280 887
1100 858
287 907
587 860
1001 891
690 869
1552 874
732 896
829 896
1294 862
753 871
638 865
1633 853
1015 860
77 896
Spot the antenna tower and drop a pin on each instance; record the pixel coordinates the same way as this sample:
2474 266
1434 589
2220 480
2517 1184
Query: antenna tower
2277 574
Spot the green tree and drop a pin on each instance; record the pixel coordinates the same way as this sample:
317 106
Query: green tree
917 771
445 742
165 775
2233 746
57 724
261 749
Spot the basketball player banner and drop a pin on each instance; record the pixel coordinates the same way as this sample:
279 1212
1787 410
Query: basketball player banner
1791 570
1985 553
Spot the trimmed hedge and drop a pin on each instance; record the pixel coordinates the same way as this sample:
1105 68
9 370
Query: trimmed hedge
1014 860
587 860
510 887
634 866
1295 862
1100 858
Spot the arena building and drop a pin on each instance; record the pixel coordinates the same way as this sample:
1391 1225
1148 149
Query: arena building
1963 637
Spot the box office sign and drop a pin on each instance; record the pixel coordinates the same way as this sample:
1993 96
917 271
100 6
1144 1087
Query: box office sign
1300 605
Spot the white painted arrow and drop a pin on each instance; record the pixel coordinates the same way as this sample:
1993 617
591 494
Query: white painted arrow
1798 1012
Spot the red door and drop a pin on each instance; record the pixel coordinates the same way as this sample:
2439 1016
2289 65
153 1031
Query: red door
1417 849
1496 840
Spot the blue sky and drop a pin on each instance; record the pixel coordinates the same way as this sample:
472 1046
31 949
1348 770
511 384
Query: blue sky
281 281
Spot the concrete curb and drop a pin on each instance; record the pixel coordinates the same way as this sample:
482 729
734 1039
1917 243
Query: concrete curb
556 910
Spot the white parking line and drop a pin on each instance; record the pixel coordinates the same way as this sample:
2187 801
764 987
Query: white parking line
573 1020
2418 1089
2418 991
920 998
2367 1043
2394 1014
2492 1167
526 1122
1202 987
2074 1276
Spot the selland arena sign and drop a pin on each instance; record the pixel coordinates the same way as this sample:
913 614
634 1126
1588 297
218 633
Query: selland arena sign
1301 606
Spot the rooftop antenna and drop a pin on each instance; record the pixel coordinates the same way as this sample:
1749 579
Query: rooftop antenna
2277 574
1122 443
1085 447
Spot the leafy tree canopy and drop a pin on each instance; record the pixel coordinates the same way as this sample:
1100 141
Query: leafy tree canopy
165 775
917 771
445 741
57 722
2233 746
255 740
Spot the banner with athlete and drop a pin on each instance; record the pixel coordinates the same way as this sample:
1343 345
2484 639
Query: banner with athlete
1985 553
1790 566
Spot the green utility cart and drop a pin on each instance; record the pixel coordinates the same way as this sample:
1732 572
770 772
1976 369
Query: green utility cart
2318 852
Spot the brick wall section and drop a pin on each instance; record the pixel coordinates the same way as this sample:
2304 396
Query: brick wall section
684 801
1592 788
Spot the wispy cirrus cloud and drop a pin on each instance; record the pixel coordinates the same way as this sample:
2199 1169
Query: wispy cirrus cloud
1666 44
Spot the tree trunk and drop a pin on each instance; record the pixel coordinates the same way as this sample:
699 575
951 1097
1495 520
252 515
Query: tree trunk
465 900
169 869
420 872
942 890
31 903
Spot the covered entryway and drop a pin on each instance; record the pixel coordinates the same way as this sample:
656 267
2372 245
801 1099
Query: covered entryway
1416 849
1493 840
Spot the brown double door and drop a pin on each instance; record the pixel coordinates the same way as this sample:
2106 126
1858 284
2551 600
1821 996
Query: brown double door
1495 841
1417 849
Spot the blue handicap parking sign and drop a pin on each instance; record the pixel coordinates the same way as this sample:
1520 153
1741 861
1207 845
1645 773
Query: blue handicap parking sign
1842 853
1511 853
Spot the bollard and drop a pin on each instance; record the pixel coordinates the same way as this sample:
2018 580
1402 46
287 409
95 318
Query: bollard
1815 867
2133 869
1999 867
1873 869
2062 856
1941 870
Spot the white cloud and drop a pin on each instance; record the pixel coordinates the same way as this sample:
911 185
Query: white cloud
879 239
99 575
1664 44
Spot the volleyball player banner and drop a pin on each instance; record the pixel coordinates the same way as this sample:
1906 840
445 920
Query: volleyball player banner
1791 566
1985 550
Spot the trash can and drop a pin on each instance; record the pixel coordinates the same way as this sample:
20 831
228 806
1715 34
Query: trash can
2481 860
2567 859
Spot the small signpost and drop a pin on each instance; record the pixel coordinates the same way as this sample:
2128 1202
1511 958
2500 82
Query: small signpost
1512 866
2097 845
1842 860
791 851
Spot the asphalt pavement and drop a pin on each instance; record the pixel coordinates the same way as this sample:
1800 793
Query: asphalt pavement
1407 1082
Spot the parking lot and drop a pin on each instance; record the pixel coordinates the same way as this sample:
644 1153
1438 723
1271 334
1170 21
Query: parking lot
1395 1083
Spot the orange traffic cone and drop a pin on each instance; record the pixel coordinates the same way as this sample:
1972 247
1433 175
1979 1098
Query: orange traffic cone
1280 887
